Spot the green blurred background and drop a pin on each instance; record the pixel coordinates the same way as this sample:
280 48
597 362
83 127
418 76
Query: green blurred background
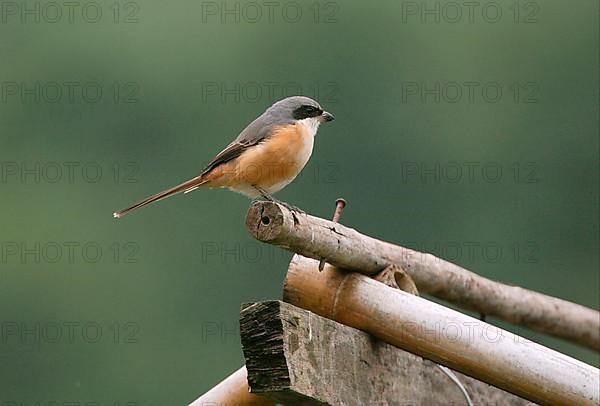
147 307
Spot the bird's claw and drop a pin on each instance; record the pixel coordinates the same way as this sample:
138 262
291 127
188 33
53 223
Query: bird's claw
288 206
292 208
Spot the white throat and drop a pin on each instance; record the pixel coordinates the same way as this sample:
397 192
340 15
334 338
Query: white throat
311 124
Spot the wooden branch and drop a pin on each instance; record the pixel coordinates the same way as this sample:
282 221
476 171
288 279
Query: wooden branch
346 248
296 357
232 391
445 336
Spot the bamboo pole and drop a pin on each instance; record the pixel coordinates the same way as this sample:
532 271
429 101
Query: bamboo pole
445 336
346 248
232 391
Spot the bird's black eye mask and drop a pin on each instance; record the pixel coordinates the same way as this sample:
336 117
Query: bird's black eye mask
307 111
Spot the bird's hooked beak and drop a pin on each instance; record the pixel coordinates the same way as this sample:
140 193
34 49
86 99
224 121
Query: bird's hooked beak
325 117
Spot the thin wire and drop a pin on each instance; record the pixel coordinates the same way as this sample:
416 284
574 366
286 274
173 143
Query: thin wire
458 383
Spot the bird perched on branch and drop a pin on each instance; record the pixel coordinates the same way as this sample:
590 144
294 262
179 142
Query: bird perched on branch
267 155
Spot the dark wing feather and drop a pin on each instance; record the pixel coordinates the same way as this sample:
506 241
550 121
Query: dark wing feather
255 133
230 152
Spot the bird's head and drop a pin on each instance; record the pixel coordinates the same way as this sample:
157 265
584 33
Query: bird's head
303 109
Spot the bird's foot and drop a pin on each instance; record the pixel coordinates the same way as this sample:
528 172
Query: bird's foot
270 198
290 207
293 209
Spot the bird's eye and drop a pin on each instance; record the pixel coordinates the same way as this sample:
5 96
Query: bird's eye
309 111
306 111
313 111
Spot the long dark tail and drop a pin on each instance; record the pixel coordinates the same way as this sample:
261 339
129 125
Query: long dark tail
184 187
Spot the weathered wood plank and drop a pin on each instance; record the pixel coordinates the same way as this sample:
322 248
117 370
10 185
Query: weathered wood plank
297 357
